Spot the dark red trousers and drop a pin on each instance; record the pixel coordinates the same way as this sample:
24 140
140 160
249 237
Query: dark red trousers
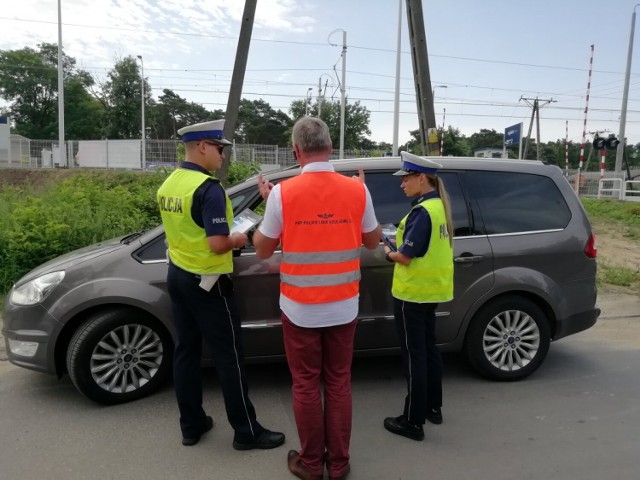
317 358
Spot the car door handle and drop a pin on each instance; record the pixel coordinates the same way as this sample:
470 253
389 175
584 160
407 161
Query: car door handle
468 258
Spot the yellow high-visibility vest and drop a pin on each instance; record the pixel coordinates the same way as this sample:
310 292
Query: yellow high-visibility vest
188 245
427 279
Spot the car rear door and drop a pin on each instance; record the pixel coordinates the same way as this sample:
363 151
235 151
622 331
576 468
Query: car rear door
473 259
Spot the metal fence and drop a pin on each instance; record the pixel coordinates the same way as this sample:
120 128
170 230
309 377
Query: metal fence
127 154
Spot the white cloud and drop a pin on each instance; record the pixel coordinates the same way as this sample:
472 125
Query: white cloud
95 32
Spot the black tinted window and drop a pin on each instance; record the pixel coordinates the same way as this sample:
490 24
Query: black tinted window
518 202
154 250
391 204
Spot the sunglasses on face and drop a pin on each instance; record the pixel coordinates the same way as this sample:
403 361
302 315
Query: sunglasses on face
217 145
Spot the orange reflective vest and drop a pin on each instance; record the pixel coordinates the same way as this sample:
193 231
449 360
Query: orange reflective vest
321 237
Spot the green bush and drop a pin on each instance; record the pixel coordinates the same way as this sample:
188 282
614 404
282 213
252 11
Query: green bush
88 207
239 171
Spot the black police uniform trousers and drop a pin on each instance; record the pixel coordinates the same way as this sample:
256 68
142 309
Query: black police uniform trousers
212 316
422 361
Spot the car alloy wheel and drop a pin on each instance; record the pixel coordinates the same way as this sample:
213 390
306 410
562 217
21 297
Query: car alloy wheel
511 340
508 338
119 355
126 358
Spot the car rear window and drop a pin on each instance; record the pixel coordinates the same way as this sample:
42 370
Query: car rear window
518 202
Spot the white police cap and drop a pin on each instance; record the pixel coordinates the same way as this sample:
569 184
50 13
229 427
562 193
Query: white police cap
414 164
213 130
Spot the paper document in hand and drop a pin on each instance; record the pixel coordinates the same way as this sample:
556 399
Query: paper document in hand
389 235
245 221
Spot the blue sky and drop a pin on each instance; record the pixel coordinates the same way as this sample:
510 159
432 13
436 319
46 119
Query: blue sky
487 53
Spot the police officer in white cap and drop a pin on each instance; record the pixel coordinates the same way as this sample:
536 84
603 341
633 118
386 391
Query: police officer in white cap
422 278
197 217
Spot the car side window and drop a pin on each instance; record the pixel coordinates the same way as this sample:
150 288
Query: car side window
518 202
154 250
391 204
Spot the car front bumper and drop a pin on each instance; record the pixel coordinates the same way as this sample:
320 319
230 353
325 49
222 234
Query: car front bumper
29 333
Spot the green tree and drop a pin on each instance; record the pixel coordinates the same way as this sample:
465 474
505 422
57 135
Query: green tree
456 144
356 121
84 114
172 112
121 98
258 123
29 81
486 139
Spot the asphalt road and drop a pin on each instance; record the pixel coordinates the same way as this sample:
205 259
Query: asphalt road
578 417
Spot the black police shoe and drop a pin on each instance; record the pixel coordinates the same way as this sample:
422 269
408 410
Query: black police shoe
434 415
190 441
400 426
266 440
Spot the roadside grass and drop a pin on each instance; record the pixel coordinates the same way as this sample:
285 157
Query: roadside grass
617 275
623 219
622 216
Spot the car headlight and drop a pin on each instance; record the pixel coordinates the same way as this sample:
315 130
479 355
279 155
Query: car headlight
35 290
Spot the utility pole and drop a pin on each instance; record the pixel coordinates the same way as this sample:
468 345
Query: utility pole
625 97
396 97
424 95
319 96
237 79
343 89
535 113
321 92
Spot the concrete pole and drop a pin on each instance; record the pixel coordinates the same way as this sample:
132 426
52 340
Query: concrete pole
62 151
625 97
343 91
396 100
237 79
420 61
537 130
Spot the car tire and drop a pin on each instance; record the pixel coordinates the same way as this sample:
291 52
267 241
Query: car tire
508 338
119 355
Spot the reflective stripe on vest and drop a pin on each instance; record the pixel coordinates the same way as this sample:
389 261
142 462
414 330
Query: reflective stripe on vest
188 245
320 280
321 239
300 258
427 279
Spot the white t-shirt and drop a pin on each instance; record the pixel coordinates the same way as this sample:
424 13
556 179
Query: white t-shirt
313 315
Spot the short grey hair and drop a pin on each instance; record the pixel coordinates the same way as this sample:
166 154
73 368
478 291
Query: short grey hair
311 135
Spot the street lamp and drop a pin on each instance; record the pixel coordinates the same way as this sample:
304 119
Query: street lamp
433 91
62 151
143 133
307 101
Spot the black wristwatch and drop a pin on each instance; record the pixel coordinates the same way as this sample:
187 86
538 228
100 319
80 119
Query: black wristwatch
388 258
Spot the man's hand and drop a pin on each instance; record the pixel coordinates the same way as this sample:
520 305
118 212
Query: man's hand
238 239
264 186
360 175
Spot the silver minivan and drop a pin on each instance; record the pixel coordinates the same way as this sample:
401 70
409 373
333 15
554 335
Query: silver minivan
525 274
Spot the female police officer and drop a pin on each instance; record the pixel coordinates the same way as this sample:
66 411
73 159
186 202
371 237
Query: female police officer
422 278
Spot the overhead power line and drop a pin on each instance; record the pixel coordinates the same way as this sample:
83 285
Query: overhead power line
318 44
